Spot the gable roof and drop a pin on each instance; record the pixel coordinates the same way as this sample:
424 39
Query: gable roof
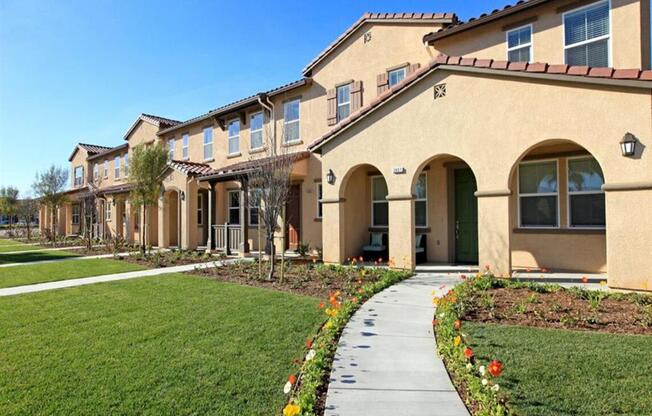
158 121
108 151
91 149
606 76
484 18
446 18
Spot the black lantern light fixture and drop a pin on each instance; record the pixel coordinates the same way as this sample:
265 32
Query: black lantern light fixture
330 176
628 145
183 196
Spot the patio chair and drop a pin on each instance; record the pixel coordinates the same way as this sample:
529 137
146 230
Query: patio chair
377 247
420 248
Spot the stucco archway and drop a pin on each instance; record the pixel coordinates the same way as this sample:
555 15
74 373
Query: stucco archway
171 217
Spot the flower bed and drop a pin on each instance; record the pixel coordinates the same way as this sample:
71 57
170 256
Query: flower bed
307 390
486 298
169 258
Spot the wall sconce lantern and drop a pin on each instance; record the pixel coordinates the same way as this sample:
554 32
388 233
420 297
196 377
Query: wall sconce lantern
183 196
628 145
113 202
330 177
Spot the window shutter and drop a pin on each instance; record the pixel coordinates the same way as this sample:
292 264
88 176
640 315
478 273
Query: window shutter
382 83
356 96
411 69
331 96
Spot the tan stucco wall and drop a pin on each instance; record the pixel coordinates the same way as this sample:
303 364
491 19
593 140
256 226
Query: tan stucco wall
630 42
490 123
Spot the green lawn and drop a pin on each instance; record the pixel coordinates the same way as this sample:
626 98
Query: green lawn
165 345
35 256
558 372
39 273
12 245
8 242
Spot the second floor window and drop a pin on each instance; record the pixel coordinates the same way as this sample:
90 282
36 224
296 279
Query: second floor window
79 176
184 149
586 35
291 124
96 171
234 137
116 167
256 130
395 76
126 164
519 44
208 143
343 102
106 169
171 149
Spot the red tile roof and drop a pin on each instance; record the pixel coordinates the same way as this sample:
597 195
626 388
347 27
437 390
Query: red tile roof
496 14
108 151
248 165
384 17
628 77
91 149
158 121
190 168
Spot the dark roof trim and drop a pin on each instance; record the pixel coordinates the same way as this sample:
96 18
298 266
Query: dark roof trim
108 152
160 122
632 78
483 19
238 105
90 148
445 18
242 168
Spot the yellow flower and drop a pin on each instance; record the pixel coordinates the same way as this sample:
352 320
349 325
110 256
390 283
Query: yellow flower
291 410
457 340
603 283
329 325
435 301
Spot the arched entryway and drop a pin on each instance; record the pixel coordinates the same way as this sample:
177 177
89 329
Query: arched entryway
171 218
445 211
558 209
365 214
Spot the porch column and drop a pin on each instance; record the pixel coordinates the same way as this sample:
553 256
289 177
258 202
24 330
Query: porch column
494 233
333 240
163 222
209 241
401 231
244 217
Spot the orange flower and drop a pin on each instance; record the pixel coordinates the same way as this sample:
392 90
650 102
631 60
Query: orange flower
495 368
354 300
360 259
292 379
544 270
585 279
308 343
468 353
457 340
453 299
435 322
321 305
360 290
458 324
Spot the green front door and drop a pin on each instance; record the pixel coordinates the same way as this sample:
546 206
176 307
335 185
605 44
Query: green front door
466 217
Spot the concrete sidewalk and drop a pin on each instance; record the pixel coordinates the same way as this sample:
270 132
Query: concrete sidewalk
39 287
386 361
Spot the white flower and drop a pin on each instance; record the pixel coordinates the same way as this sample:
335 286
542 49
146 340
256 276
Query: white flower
484 382
287 388
495 387
441 315
469 366
311 354
481 370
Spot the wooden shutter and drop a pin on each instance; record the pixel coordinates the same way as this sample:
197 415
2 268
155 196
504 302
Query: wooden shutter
356 96
411 69
382 83
331 97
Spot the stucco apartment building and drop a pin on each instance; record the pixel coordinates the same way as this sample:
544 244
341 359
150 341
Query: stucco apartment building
517 139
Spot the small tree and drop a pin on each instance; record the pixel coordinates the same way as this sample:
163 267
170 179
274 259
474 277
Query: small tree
9 204
145 174
49 187
88 205
27 211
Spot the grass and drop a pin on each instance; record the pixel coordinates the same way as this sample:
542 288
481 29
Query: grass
49 272
559 372
35 256
165 345
13 245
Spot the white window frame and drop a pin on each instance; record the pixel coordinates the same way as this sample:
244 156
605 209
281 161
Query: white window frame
106 169
569 193
373 220
185 145
200 209
339 104
96 171
229 208
396 70
519 195
527 45
252 207
586 42
425 175
171 145
260 130
81 177
116 167
75 216
208 129
319 192
126 161
107 210
286 122
234 138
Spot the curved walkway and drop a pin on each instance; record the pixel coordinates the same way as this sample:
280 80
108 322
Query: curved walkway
386 362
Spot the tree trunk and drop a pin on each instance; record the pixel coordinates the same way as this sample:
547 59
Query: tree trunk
272 257
142 229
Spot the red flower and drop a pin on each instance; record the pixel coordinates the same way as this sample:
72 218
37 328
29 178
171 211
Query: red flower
360 258
463 277
380 259
495 368
458 324
468 353
585 279
435 322
321 305
292 379
308 343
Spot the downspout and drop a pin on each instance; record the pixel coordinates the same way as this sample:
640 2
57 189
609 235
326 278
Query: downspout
269 106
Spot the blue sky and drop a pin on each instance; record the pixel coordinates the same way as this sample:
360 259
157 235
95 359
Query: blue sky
81 71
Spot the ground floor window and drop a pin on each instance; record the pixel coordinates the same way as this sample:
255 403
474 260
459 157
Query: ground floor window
320 196
421 201
586 207
379 203
107 211
75 214
254 209
538 196
234 207
200 209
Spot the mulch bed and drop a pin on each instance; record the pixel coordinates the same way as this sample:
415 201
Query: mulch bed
563 309
301 277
